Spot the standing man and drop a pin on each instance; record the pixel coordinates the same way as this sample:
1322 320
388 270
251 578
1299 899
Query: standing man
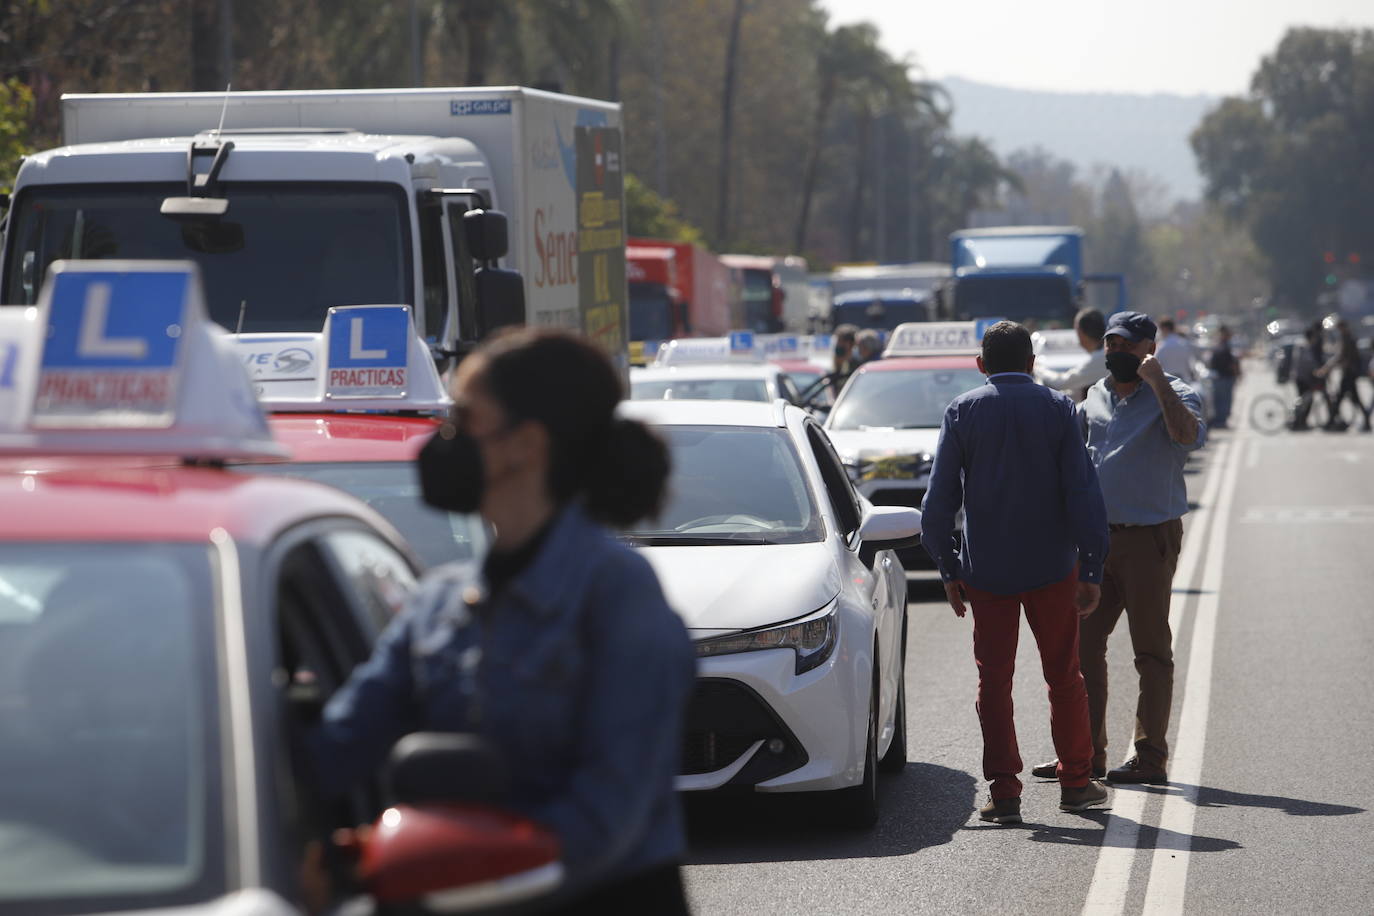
1225 370
1074 381
1174 352
868 346
1035 535
1140 425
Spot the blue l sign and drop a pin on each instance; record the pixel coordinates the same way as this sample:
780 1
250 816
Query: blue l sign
366 351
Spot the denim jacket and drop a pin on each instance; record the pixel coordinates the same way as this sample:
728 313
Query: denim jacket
578 671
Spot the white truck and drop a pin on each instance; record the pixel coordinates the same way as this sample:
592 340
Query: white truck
295 202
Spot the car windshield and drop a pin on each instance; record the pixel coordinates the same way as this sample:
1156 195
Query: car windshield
699 389
880 315
733 485
392 489
1039 303
278 259
900 398
109 748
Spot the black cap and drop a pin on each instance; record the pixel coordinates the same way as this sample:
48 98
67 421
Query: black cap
1134 326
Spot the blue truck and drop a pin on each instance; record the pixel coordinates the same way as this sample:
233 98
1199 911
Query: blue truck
1030 274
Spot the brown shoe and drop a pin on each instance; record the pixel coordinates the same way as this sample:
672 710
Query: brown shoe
1136 770
1001 811
1051 770
1083 797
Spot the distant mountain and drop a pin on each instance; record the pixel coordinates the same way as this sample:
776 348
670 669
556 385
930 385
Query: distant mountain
1146 132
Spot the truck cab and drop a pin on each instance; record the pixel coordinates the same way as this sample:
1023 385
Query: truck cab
300 201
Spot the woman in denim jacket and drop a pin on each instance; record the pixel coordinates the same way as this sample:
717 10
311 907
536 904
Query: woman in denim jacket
560 648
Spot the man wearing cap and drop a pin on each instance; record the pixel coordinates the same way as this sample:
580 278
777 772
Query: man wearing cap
1140 423
1035 530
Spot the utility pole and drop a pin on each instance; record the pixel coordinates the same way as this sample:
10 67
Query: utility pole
226 41
727 126
417 76
660 104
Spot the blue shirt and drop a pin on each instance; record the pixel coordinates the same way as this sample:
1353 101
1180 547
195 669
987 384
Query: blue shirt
1012 455
1139 463
577 670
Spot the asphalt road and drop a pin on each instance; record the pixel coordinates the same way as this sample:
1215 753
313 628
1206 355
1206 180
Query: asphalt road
1272 736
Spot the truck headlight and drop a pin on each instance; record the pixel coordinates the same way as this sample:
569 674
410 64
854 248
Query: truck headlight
812 638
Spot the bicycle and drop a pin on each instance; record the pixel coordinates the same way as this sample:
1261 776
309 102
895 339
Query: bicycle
1271 412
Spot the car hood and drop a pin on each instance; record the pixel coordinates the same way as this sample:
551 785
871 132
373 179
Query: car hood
876 443
745 586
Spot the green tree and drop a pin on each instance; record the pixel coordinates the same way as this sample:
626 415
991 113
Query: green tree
1293 161
16 122
649 216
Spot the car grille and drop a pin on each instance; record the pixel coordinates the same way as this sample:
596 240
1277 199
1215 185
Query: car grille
725 718
903 496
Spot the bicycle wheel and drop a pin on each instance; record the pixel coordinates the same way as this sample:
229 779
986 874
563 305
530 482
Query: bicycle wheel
1268 413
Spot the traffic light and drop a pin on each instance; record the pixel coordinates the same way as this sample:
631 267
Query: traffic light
1329 257
1330 279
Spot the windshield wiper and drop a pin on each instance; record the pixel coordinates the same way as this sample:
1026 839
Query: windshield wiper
694 540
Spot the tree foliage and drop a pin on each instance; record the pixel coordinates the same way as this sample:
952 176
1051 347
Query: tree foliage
831 145
1293 161
649 216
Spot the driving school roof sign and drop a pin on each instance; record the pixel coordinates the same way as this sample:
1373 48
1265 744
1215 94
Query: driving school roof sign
367 351
938 338
113 349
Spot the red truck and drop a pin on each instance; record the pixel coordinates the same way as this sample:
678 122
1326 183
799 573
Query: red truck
701 280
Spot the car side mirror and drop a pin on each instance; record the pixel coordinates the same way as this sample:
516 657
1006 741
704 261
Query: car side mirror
445 767
487 233
891 527
500 299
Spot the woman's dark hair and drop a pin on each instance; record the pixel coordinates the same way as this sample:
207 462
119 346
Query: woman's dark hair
618 467
1006 348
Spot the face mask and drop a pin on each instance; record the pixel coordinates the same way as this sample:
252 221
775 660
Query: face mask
1124 367
451 473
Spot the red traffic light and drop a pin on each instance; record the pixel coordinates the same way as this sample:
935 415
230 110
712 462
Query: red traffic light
1353 257
1329 257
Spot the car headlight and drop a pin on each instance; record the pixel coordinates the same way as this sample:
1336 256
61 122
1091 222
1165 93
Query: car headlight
813 639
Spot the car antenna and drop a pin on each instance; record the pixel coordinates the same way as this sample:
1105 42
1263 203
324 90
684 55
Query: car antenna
224 109
243 309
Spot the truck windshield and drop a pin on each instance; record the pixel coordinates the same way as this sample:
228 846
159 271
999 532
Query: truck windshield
281 256
1040 303
651 312
110 785
878 314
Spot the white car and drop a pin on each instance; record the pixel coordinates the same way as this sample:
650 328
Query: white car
742 381
788 583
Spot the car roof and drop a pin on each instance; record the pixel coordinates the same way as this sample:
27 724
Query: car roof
798 365
707 413
351 437
900 363
706 371
68 502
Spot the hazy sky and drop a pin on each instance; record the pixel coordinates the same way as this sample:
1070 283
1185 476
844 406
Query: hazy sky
1183 46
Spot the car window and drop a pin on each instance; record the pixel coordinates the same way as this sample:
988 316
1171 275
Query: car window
381 577
838 488
391 488
901 398
722 389
789 390
110 786
734 484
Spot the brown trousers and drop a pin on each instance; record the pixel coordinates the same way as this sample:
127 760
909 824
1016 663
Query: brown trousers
1139 580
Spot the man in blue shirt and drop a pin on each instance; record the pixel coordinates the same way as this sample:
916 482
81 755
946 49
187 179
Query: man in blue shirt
1035 536
1140 423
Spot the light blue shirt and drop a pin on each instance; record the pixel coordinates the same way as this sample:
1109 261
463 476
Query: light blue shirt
1138 463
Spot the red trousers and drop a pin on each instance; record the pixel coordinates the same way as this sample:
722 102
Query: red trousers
1054 621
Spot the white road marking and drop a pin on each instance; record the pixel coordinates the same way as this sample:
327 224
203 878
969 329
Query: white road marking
1112 876
1252 457
1169 866
1269 515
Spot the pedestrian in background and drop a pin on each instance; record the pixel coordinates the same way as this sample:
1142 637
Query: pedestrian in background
843 365
1174 352
561 649
1074 381
1011 455
1347 358
868 346
1224 367
1139 424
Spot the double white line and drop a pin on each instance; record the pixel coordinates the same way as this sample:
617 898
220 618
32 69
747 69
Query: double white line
1169 865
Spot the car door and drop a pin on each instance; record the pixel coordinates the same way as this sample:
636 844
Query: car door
334 584
874 582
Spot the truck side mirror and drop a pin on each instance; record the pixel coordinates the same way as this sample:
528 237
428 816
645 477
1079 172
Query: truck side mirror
500 299
487 235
